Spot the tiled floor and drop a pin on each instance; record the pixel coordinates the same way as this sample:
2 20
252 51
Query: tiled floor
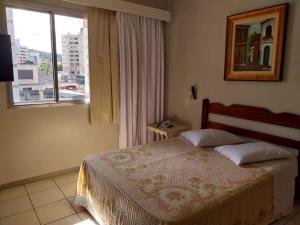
292 219
50 202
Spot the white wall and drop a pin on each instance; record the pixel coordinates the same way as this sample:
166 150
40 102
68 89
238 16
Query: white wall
160 4
196 50
37 141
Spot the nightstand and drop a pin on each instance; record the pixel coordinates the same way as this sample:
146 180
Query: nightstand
168 132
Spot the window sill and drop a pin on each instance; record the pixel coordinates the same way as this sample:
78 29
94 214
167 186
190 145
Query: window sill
47 105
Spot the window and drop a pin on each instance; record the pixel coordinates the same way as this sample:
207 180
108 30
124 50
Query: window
25 74
269 31
44 68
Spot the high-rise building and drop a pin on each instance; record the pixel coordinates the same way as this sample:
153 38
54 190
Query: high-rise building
83 49
83 57
22 53
27 84
11 31
26 55
70 55
33 68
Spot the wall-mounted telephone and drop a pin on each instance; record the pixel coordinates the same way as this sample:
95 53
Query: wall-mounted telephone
165 124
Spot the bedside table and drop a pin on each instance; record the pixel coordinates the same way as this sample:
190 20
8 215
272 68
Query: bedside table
168 132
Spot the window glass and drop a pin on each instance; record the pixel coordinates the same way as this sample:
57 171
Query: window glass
32 56
35 78
72 58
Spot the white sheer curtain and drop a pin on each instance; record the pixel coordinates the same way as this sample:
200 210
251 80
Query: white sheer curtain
141 54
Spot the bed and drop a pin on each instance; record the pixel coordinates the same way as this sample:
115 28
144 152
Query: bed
174 183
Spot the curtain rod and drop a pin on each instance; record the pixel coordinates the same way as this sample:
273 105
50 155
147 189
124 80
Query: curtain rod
126 7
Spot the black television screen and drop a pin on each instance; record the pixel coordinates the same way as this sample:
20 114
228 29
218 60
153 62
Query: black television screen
6 64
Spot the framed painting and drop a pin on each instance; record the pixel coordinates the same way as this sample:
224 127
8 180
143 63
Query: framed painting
255 44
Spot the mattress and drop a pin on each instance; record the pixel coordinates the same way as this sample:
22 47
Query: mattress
284 172
173 182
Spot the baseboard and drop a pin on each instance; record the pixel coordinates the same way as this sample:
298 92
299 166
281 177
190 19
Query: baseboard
38 178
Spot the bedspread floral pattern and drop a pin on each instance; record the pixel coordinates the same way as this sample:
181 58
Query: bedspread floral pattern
174 189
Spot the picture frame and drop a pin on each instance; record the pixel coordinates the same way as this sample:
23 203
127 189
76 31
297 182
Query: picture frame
255 44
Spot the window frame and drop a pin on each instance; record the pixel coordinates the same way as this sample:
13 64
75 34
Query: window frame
51 11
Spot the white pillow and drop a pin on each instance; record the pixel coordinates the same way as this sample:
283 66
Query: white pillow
252 152
211 137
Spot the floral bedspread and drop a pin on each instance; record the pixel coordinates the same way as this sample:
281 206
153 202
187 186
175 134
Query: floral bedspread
171 182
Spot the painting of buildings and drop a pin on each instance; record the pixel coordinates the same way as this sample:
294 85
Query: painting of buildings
253 46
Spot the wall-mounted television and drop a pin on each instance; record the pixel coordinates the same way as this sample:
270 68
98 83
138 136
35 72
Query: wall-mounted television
6 63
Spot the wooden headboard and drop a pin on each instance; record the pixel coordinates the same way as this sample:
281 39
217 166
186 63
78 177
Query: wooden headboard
254 114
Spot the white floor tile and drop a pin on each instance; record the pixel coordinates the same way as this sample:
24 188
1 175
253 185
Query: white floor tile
280 222
84 215
25 218
54 211
66 178
285 220
70 220
87 218
295 220
69 189
11 193
77 208
44 197
40 185
13 206
88 222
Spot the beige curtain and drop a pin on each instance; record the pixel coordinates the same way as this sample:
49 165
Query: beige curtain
103 66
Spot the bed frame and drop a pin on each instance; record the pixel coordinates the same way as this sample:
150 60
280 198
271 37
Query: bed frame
254 114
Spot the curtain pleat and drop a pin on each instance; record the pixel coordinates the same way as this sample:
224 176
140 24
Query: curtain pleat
103 66
141 57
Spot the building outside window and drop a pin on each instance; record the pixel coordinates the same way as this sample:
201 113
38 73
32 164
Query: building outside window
44 72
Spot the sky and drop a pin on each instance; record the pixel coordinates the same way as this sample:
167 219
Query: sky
255 27
33 29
